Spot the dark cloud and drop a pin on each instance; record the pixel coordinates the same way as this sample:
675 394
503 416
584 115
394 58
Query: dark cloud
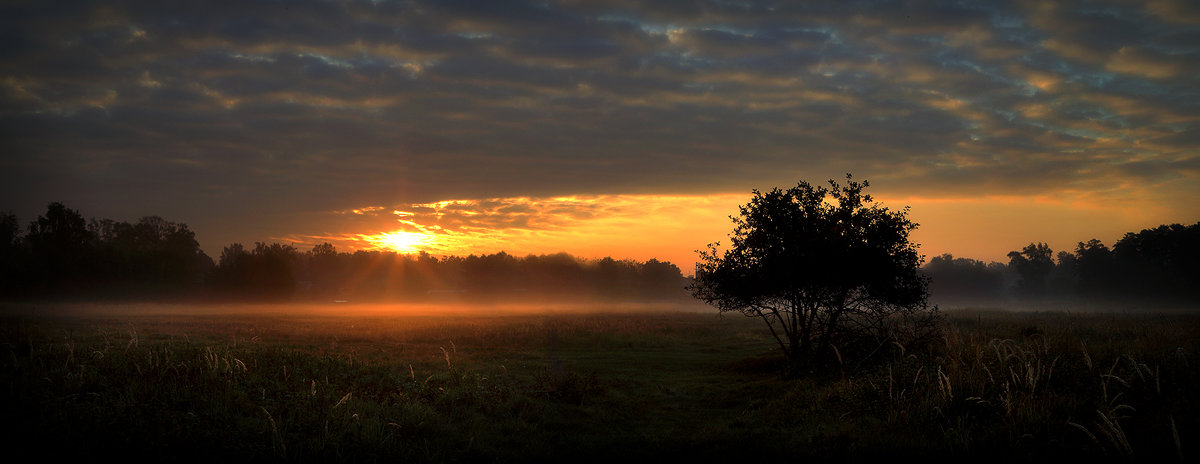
222 109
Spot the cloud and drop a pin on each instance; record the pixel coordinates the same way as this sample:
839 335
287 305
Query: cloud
219 110
452 216
640 226
1133 60
1180 11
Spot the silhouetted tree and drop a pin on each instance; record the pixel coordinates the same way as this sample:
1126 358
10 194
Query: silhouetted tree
1096 268
165 251
322 271
823 267
1161 263
232 269
614 279
10 237
12 254
418 276
558 273
660 280
1063 280
272 275
263 273
490 274
60 248
1034 264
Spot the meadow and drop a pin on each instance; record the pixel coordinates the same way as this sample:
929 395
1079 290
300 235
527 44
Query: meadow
585 383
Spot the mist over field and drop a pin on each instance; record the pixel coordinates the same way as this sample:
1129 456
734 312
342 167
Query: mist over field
463 310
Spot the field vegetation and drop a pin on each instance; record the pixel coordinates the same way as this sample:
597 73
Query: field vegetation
345 383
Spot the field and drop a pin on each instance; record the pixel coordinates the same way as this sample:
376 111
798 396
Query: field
358 383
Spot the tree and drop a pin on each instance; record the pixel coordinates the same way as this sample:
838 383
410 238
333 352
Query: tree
271 272
322 270
1034 264
823 267
12 254
10 238
1161 263
1096 268
660 280
263 273
61 248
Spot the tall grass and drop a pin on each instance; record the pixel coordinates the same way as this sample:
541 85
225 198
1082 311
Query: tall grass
588 387
1057 386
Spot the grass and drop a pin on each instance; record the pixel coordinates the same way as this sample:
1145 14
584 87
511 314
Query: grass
188 384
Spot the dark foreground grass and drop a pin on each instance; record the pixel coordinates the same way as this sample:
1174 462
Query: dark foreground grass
182 385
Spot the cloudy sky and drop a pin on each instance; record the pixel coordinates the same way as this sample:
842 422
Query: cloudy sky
624 128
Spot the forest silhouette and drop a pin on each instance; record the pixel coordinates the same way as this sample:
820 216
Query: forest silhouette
1156 267
62 255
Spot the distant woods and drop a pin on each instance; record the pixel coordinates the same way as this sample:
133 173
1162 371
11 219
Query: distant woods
322 273
62 255
1159 266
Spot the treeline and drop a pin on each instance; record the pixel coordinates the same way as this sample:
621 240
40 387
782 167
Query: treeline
1159 265
62 255
275 271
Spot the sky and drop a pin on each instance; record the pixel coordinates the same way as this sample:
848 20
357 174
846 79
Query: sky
622 128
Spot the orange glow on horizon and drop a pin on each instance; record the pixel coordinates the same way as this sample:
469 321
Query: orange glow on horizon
672 227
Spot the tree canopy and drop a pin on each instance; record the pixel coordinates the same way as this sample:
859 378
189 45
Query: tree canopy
823 267
1034 263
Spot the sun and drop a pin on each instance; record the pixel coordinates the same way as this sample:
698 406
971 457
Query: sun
400 241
